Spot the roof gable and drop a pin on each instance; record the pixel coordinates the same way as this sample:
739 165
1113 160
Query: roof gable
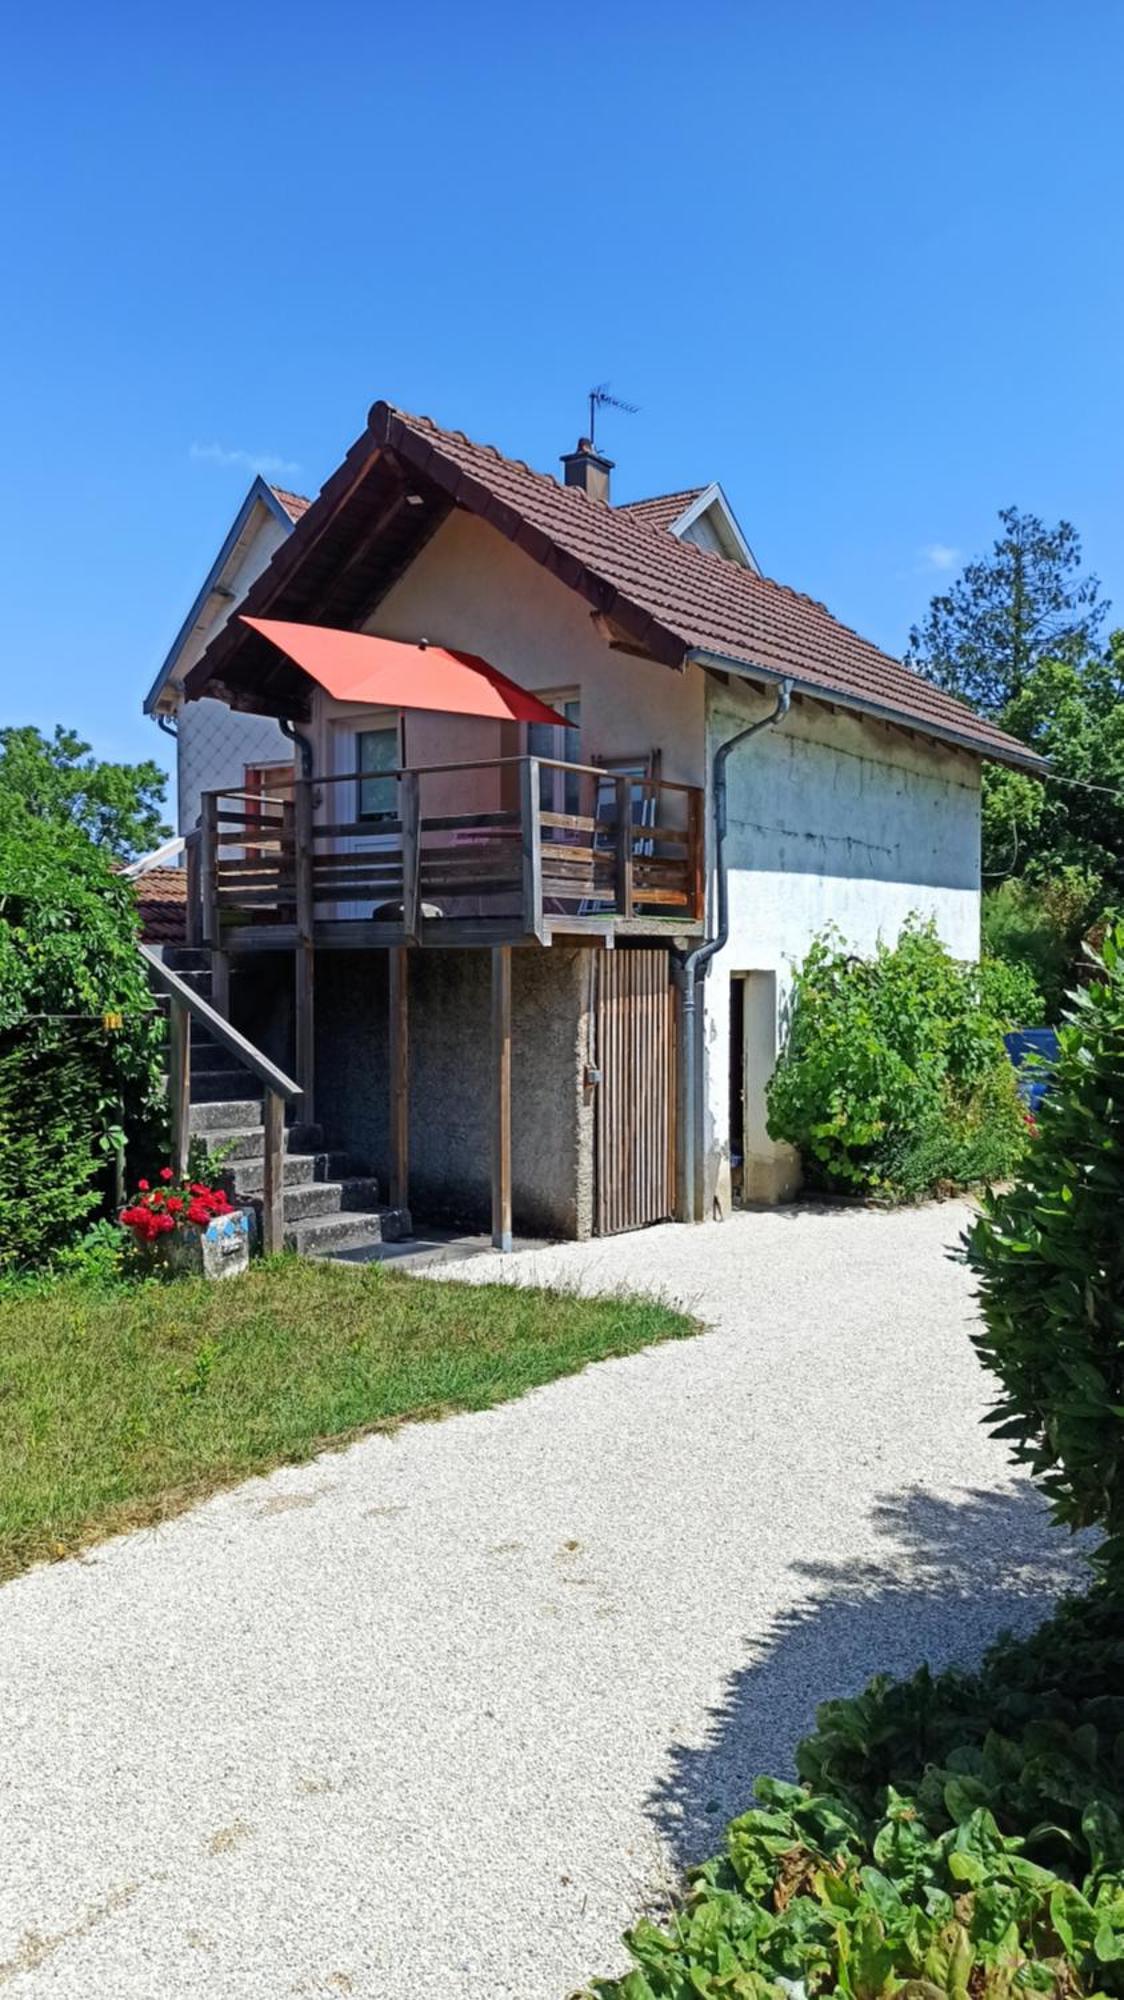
658 595
287 508
700 514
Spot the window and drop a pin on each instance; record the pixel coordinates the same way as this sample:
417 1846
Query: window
558 790
378 764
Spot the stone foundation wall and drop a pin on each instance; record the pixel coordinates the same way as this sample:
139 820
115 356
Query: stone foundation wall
451 1089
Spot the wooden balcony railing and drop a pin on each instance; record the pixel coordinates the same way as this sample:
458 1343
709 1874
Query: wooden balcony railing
529 842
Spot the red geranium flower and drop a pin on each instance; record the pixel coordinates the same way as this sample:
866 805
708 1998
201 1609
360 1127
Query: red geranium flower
166 1174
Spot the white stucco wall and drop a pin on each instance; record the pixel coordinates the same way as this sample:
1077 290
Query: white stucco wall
215 743
213 746
832 819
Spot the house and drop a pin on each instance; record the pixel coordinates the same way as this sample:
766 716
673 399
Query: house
539 969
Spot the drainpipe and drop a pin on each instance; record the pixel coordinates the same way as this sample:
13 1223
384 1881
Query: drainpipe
303 744
167 724
694 965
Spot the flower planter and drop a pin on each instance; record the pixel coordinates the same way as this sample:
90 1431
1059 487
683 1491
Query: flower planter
188 1228
216 1249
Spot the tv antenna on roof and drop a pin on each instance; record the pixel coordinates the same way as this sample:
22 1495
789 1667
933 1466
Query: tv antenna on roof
600 399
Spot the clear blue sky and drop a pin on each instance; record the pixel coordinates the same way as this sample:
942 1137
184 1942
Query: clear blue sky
860 262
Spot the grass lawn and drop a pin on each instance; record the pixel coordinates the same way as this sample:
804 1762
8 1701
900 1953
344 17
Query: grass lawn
122 1406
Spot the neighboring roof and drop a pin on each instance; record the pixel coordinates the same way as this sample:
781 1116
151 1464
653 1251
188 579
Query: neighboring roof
294 504
704 509
162 902
661 596
286 508
663 509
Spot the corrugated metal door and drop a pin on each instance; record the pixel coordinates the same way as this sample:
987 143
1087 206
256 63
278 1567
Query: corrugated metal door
635 1113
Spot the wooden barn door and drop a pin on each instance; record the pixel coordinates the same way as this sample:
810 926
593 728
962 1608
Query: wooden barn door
635 1112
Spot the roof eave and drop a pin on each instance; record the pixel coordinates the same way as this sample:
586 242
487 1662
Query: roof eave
260 490
1018 758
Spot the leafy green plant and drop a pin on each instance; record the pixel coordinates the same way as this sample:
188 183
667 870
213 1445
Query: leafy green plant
1035 926
1034 1735
894 1078
1010 991
957 1834
1049 1256
807 1899
71 1089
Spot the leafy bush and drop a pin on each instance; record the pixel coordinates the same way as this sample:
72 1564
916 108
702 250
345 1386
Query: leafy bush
1034 1736
1036 925
960 1834
1010 991
805 1901
71 1091
894 1078
1049 1256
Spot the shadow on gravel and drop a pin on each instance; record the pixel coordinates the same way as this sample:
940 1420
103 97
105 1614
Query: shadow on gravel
955 1575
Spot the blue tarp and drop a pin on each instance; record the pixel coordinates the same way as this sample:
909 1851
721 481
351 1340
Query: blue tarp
1033 1051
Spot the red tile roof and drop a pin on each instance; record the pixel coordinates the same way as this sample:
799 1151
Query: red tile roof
663 509
162 902
294 504
675 599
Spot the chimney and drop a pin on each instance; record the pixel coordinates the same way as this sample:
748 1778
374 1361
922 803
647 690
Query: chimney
586 468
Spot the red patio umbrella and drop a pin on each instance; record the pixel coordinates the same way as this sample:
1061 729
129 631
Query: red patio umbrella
398 673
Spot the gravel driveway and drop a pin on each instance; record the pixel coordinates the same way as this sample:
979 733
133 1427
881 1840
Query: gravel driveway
429 1719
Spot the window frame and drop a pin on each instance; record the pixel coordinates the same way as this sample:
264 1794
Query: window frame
390 777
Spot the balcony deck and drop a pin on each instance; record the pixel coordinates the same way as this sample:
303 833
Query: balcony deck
270 874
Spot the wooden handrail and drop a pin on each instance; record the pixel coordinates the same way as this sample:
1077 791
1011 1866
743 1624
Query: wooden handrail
305 855
186 1006
227 1037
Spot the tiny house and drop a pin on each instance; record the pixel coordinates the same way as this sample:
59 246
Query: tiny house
472 935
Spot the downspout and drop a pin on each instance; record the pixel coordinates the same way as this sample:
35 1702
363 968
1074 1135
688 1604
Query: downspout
303 744
694 965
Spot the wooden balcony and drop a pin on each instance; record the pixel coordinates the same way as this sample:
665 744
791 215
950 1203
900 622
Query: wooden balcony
519 850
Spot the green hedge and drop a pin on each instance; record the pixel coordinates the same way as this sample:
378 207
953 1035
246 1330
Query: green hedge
1049 1256
894 1079
70 1090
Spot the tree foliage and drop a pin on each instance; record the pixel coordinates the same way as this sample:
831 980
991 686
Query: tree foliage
1025 602
58 780
70 1088
1049 1256
1072 712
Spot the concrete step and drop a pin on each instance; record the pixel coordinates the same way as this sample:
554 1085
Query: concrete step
246 1174
226 1115
199 982
236 1142
351 1229
211 1085
314 1198
183 958
207 1055
328 1198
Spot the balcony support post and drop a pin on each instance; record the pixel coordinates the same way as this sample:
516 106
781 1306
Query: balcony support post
303 956
501 1101
399 1027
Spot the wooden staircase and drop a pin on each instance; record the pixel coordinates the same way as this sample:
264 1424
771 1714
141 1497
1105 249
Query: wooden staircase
329 1205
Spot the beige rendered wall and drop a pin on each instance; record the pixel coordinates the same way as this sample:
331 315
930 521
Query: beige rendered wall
471 588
